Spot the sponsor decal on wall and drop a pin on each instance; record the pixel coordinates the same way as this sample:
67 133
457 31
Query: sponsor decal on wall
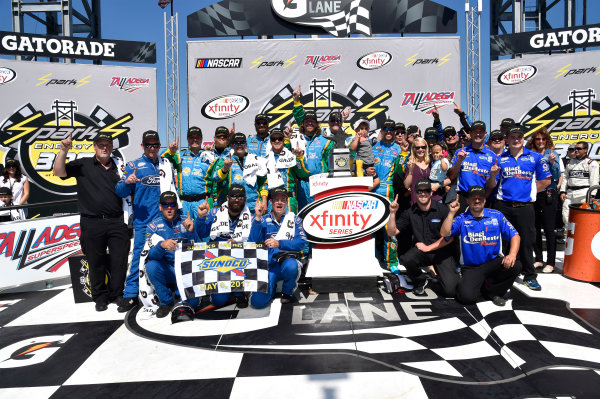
322 62
566 71
129 84
260 62
428 101
374 60
218 63
516 75
413 60
226 106
7 75
50 80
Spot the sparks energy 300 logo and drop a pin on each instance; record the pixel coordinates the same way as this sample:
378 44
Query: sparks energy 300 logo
36 135
427 101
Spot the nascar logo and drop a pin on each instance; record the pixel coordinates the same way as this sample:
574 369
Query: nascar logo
218 62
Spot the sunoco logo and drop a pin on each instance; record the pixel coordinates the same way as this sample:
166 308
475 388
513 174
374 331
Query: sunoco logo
517 75
374 60
7 75
225 264
344 217
36 136
226 106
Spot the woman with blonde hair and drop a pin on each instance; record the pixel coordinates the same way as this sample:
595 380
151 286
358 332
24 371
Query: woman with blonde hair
546 202
418 168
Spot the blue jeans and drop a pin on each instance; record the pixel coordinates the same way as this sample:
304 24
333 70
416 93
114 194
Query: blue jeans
161 273
288 272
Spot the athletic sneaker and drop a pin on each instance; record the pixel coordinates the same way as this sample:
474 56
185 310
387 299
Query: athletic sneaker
419 289
241 301
498 301
164 310
127 304
533 284
286 298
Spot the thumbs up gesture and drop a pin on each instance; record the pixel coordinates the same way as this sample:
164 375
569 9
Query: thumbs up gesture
298 151
188 223
67 144
132 178
174 146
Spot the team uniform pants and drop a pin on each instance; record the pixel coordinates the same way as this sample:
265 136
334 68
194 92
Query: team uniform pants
132 283
386 248
442 260
523 219
545 211
574 197
96 236
162 276
191 207
287 271
496 277
303 191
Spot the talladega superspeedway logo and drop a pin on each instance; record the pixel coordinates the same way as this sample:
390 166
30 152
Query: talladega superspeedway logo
36 136
427 101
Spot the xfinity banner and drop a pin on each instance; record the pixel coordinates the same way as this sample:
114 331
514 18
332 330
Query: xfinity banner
14 43
403 78
42 103
558 92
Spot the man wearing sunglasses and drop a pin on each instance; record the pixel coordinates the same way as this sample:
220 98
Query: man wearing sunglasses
424 220
258 144
144 179
220 150
192 170
580 173
163 236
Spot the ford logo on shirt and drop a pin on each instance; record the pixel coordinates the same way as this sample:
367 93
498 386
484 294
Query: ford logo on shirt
152 180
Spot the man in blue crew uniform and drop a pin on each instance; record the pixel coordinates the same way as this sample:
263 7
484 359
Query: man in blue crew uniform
282 233
480 230
472 163
520 174
258 144
192 170
142 180
165 233
230 222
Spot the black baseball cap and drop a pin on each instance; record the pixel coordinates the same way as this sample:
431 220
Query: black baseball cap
400 125
423 185
276 132
412 129
221 131
475 190
150 134
236 190
478 124
516 129
168 196
261 117
103 136
11 162
5 191
496 133
389 124
449 129
335 116
194 130
238 137
278 190
431 133
507 122
310 115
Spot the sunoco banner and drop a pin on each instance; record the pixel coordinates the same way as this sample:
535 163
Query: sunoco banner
37 249
400 77
42 103
558 92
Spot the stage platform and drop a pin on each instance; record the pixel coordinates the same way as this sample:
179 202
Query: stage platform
336 345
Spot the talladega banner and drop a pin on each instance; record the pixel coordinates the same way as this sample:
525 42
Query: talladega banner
404 78
558 92
42 103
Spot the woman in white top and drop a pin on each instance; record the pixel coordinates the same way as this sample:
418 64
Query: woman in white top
13 178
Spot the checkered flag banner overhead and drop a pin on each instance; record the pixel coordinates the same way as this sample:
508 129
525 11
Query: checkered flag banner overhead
354 20
221 267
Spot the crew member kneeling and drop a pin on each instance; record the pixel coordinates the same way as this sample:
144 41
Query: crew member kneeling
481 230
161 257
282 233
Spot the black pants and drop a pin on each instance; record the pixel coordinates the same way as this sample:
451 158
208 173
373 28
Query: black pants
496 277
545 216
442 260
96 236
523 220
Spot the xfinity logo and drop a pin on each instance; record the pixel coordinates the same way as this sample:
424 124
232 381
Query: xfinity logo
7 75
224 107
516 75
374 60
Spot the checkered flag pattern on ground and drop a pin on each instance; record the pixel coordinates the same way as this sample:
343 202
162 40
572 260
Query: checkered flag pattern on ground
221 267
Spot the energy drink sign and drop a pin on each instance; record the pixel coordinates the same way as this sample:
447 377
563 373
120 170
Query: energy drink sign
44 103
560 93
403 78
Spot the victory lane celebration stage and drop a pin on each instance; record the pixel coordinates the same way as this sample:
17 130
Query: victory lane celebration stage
330 345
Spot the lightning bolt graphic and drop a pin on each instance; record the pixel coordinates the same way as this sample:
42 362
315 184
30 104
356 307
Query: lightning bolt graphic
562 70
445 59
287 3
238 272
539 121
289 62
279 111
83 81
34 348
20 127
375 111
43 79
411 59
256 62
113 128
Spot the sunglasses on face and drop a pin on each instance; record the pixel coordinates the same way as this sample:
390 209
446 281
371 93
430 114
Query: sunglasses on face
169 204
194 138
419 192
420 147
446 135
238 144
334 121
261 123
540 139
237 197
497 138
388 129
571 149
11 166
155 145
579 148
276 139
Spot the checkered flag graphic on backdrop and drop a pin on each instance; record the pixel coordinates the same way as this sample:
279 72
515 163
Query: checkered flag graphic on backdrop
355 20
231 20
23 113
209 268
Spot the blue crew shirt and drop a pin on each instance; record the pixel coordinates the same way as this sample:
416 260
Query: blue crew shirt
518 176
268 227
475 168
167 230
257 146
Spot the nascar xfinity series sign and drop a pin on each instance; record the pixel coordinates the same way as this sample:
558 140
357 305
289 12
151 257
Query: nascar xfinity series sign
560 93
44 103
403 78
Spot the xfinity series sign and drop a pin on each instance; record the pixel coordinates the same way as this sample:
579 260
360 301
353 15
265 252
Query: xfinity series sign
344 217
76 47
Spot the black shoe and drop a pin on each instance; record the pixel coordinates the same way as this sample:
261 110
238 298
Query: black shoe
101 306
419 288
286 298
241 301
127 304
164 310
498 301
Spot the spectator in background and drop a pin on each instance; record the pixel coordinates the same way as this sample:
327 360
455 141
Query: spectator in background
451 141
506 125
546 202
413 132
6 200
431 136
17 182
418 168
